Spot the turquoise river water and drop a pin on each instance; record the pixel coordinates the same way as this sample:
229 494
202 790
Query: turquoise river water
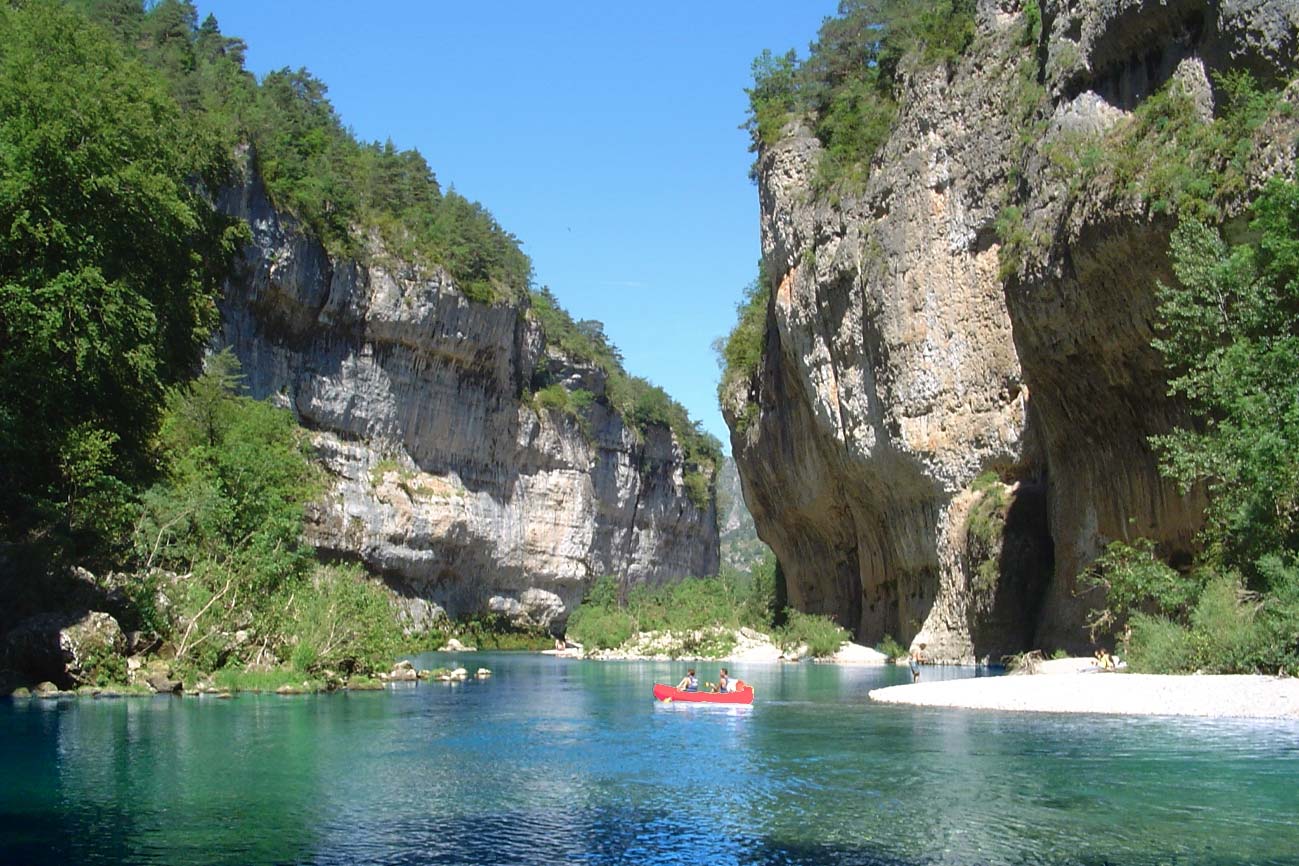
560 761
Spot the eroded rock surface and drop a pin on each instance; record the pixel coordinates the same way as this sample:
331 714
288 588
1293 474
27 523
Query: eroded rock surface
442 477
909 381
65 648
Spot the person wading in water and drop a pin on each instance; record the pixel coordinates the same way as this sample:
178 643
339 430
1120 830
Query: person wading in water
918 658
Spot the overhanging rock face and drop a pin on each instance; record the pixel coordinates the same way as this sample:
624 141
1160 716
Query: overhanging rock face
441 477
942 444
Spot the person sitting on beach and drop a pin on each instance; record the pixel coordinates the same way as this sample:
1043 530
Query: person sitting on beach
689 683
1104 661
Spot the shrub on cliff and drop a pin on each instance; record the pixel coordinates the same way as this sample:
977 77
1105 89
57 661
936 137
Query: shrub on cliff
740 353
848 84
640 403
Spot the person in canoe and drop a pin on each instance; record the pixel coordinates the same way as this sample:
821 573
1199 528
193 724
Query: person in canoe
689 683
724 681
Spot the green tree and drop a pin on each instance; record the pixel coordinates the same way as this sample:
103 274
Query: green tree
1229 329
110 260
1229 333
228 512
847 87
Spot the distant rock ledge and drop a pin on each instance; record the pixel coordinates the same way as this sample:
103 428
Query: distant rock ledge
1215 696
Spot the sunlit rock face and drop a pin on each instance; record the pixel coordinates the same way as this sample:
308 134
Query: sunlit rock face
902 364
441 476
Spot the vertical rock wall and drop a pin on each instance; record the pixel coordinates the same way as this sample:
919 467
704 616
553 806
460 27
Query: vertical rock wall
922 414
442 477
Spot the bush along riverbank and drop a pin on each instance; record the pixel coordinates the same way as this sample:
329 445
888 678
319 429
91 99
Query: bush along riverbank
219 592
1228 329
735 615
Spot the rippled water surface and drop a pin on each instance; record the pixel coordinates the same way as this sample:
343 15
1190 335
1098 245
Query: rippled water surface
557 761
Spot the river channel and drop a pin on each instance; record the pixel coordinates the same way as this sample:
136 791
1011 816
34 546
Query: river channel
562 761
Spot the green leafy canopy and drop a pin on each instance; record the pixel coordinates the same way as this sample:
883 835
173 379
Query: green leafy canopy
110 259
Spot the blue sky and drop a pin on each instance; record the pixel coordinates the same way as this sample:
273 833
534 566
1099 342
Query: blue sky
605 135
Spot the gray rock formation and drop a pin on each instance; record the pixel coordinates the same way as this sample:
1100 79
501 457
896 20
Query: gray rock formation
442 477
901 365
66 648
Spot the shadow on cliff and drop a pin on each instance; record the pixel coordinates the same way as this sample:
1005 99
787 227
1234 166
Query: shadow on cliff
1008 589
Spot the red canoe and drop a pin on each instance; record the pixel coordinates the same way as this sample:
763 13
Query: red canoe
743 694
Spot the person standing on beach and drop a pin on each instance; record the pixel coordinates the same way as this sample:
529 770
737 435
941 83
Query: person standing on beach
918 658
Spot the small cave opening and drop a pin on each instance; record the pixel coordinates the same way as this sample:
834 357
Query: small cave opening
1137 67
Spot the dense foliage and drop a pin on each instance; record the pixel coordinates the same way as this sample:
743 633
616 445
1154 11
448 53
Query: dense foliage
1230 334
119 121
702 614
109 261
228 516
847 87
311 163
639 402
116 121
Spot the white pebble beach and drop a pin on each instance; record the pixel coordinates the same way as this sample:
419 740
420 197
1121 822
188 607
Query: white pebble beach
1114 693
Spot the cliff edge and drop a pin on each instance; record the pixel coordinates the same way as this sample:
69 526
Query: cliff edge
445 475
952 411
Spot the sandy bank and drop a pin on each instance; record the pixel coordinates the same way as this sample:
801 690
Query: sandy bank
1126 694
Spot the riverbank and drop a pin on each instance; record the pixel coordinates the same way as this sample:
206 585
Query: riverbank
1216 696
281 681
747 646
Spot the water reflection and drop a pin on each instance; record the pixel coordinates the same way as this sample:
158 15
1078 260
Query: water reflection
558 761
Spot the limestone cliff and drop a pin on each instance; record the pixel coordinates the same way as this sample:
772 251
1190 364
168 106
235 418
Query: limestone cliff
443 476
946 434
740 547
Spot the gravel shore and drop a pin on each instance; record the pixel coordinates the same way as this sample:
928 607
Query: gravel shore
1118 693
